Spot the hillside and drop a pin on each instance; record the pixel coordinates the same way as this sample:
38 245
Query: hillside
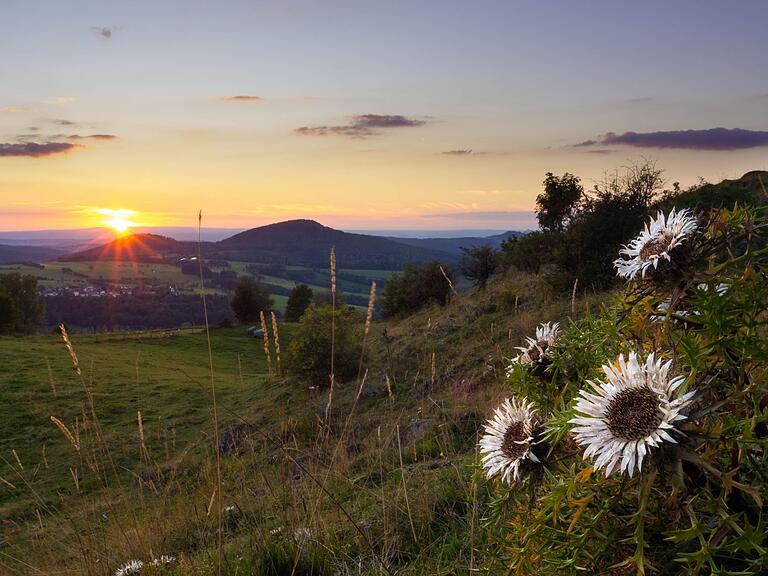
454 245
294 242
134 248
10 254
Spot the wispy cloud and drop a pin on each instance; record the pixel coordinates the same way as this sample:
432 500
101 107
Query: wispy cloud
92 137
14 109
362 126
65 123
721 139
105 31
59 100
242 99
459 152
35 149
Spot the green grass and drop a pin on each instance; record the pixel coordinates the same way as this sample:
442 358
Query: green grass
162 373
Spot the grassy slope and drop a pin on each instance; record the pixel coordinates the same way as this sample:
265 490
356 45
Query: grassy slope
419 516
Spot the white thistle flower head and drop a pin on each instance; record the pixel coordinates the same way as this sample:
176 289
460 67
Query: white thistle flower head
655 243
634 411
129 568
508 439
538 348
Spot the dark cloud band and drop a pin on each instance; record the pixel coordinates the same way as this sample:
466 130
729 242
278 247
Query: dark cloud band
708 139
362 126
35 150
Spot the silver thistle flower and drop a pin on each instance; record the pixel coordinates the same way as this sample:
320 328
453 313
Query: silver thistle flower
655 243
538 348
508 439
631 413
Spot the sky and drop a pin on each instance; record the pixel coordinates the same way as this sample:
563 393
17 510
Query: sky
431 115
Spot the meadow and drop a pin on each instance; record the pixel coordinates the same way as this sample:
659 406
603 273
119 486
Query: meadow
386 482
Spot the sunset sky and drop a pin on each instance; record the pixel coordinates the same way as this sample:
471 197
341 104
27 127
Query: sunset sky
363 115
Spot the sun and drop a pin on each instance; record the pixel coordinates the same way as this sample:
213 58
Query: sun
119 220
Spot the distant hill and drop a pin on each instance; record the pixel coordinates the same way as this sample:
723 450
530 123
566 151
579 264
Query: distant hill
22 254
308 243
454 245
136 248
294 242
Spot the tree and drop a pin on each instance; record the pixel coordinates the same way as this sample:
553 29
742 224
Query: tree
250 298
309 353
479 264
298 302
615 210
556 206
21 306
415 287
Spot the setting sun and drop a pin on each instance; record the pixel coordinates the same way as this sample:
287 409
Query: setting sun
118 219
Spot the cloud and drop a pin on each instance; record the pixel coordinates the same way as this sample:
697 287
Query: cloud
65 123
105 31
35 150
92 137
362 126
707 139
14 109
242 98
60 100
460 152
502 215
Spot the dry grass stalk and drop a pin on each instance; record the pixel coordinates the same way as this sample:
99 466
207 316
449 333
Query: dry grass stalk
389 389
70 349
332 375
64 430
7 483
573 296
45 460
405 486
220 531
434 369
18 461
450 284
276 336
266 340
144 453
75 478
210 502
371 304
333 270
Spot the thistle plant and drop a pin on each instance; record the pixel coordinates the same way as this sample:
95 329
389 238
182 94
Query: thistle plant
654 412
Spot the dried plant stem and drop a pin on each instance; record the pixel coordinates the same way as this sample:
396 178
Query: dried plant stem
50 376
573 296
447 279
70 349
213 396
265 336
276 337
368 320
405 486
64 430
332 375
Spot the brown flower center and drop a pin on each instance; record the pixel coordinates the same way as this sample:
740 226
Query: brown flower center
656 246
535 354
633 413
515 443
